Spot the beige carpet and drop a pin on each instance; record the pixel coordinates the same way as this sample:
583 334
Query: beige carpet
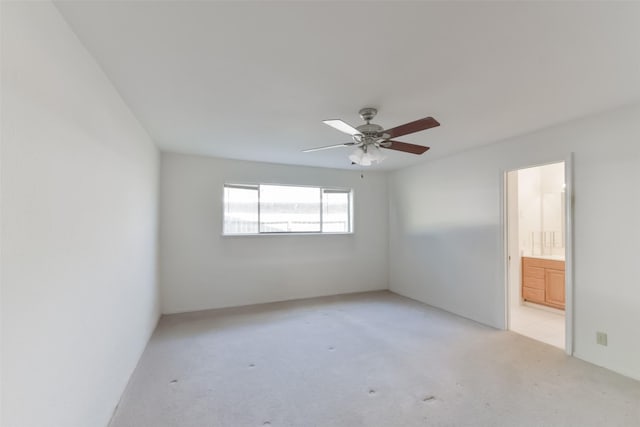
373 359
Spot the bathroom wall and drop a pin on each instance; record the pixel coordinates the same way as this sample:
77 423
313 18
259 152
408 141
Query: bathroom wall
540 210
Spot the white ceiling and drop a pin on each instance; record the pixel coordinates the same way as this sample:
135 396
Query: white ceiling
254 80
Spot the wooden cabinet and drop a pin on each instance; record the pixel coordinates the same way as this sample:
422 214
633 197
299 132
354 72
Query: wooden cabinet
543 281
554 288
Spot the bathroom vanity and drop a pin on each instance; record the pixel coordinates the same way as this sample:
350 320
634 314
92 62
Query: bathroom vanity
543 281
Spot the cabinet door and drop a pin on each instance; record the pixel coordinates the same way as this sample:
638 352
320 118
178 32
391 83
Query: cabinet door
554 288
533 295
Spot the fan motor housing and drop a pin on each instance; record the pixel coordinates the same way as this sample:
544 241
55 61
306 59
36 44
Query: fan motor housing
371 133
370 129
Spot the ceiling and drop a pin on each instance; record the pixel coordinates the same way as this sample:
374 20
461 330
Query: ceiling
254 80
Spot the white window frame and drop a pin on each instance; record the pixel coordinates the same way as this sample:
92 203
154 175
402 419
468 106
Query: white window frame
322 189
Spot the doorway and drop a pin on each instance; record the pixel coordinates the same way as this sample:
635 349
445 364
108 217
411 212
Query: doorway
538 214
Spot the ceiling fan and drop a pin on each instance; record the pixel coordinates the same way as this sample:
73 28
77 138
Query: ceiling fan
369 137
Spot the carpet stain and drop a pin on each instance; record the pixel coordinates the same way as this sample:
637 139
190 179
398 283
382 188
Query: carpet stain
331 349
429 398
372 392
173 382
251 365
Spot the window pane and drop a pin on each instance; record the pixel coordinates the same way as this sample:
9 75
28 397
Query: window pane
289 209
240 209
336 211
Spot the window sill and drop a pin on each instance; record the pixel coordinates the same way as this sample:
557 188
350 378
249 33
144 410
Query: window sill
287 234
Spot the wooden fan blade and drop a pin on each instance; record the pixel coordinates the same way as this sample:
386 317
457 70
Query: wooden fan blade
327 147
406 147
417 126
342 126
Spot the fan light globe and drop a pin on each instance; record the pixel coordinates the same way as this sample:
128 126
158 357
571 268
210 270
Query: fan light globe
365 158
375 154
356 156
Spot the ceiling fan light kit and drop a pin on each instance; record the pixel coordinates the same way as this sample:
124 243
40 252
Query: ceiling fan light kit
370 137
367 155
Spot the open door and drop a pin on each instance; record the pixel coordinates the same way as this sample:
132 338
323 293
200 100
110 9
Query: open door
537 226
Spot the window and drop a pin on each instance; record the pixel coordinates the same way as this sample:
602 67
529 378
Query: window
264 209
240 209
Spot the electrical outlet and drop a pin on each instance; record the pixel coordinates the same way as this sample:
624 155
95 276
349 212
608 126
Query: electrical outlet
601 338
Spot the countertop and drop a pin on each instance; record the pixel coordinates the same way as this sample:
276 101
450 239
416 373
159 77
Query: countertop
552 257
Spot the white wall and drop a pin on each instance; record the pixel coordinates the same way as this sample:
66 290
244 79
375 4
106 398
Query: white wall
201 269
79 207
446 233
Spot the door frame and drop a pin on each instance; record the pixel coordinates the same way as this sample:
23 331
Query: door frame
569 244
